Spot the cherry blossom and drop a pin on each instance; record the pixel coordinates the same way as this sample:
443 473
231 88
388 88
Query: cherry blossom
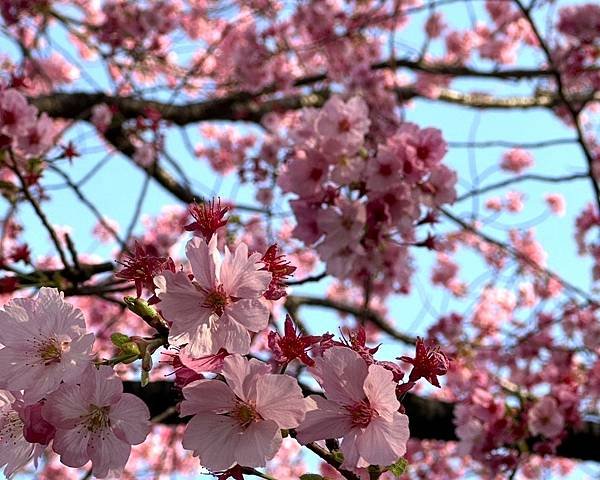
238 421
96 421
360 406
221 305
44 344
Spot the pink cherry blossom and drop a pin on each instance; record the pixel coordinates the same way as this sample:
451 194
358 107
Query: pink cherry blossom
16 115
342 125
557 204
545 418
221 305
15 451
516 160
96 421
360 406
44 344
101 116
239 421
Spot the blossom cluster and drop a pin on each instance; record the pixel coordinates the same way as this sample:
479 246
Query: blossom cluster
52 392
358 195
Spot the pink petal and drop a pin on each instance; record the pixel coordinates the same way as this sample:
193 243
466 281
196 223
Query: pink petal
71 445
383 442
65 407
349 448
180 301
199 338
108 454
258 443
380 389
250 313
214 438
100 386
202 260
341 372
240 274
231 336
327 419
130 419
207 396
279 398
242 374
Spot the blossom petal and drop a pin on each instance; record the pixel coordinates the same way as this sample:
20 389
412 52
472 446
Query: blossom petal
251 313
380 389
231 336
108 454
279 398
242 374
130 419
214 438
240 274
202 261
341 372
207 396
65 407
258 443
100 386
325 420
383 442
71 445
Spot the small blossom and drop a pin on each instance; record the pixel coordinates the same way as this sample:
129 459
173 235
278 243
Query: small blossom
545 418
221 305
294 345
143 265
44 344
280 270
360 406
516 160
96 421
208 216
15 450
556 203
428 363
239 421
35 428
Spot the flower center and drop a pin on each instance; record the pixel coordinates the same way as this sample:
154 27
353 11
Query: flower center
217 300
97 418
51 351
362 413
245 413
344 125
422 152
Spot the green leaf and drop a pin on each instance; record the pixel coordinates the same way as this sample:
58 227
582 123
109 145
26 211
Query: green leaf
399 467
311 476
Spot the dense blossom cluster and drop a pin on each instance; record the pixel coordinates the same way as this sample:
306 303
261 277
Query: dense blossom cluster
360 193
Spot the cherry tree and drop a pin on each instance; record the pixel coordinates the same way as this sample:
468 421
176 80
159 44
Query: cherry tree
292 267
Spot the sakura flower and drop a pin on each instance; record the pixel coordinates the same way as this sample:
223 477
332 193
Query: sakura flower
44 344
37 138
221 305
545 418
280 270
101 116
295 345
428 363
96 421
556 203
15 451
143 265
239 421
208 218
342 125
361 407
516 160
16 115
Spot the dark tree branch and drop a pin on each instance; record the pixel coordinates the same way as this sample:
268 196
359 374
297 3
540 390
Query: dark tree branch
292 303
